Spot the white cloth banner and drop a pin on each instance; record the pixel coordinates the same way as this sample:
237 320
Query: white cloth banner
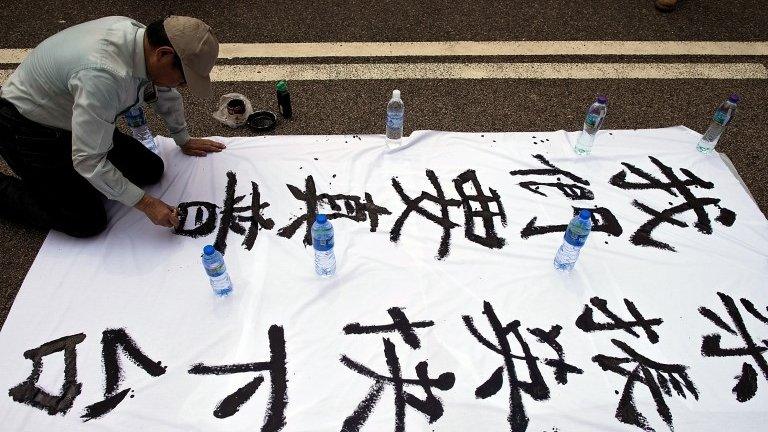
445 313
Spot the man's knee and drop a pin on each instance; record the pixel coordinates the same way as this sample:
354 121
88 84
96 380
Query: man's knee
150 173
82 223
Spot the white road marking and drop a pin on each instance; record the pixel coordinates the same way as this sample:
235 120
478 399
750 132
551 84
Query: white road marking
490 70
374 71
468 48
492 48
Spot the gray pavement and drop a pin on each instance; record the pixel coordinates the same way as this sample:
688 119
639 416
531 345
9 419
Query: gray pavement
357 106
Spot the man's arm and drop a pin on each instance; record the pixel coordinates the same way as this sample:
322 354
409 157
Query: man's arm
170 107
157 211
96 93
93 113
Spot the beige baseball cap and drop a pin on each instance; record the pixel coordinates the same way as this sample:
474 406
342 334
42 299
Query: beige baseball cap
198 49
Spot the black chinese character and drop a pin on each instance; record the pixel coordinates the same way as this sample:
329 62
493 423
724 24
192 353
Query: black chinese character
204 221
400 324
673 186
537 388
602 221
561 368
586 321
355 209
28 392
574 191
431 406
274 420
232 216
112 341
746 385
641 370
486 214
490 239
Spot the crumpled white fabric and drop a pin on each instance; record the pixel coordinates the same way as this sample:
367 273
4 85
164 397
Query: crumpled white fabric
149 281
233 121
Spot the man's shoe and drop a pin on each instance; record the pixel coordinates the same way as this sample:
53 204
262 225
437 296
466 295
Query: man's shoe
666 5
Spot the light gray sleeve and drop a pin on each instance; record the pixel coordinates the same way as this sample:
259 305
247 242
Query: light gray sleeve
96 93
170 107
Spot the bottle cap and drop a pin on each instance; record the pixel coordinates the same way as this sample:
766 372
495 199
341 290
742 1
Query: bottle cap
735 98
321 218
602 99
209 250
585 214
281 85
395 94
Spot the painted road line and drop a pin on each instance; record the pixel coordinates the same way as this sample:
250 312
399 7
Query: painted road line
490 70
468 48
12 56
492 48
324 72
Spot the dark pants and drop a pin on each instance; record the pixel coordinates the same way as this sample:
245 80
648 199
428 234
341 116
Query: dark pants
50 193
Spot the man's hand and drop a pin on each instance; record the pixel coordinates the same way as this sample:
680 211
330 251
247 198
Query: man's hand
158 212
201 147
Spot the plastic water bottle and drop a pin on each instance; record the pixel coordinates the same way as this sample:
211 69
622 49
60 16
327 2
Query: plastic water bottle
138 123
575 237
322 242
395 112
723 115
592 123
213 262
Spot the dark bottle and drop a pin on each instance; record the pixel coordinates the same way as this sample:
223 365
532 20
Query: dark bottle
284 99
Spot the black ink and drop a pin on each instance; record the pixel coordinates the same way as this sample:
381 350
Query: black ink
103 407
112 341
490 239
400 324
746 385
586 321
573 191
202 227
355 208
274 419
231 404
414 205
603 220
537 388
673 186
431 406
231 220
562 369
642 373
233 215
28 392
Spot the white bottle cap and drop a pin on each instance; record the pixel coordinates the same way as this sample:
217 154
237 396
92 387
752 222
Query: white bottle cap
395 94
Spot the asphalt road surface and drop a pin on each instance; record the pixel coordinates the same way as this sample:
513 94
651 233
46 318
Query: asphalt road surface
531 103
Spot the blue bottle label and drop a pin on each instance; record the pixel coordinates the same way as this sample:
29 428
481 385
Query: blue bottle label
394 122
592 120
322 244
575 239
721 117
216 270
